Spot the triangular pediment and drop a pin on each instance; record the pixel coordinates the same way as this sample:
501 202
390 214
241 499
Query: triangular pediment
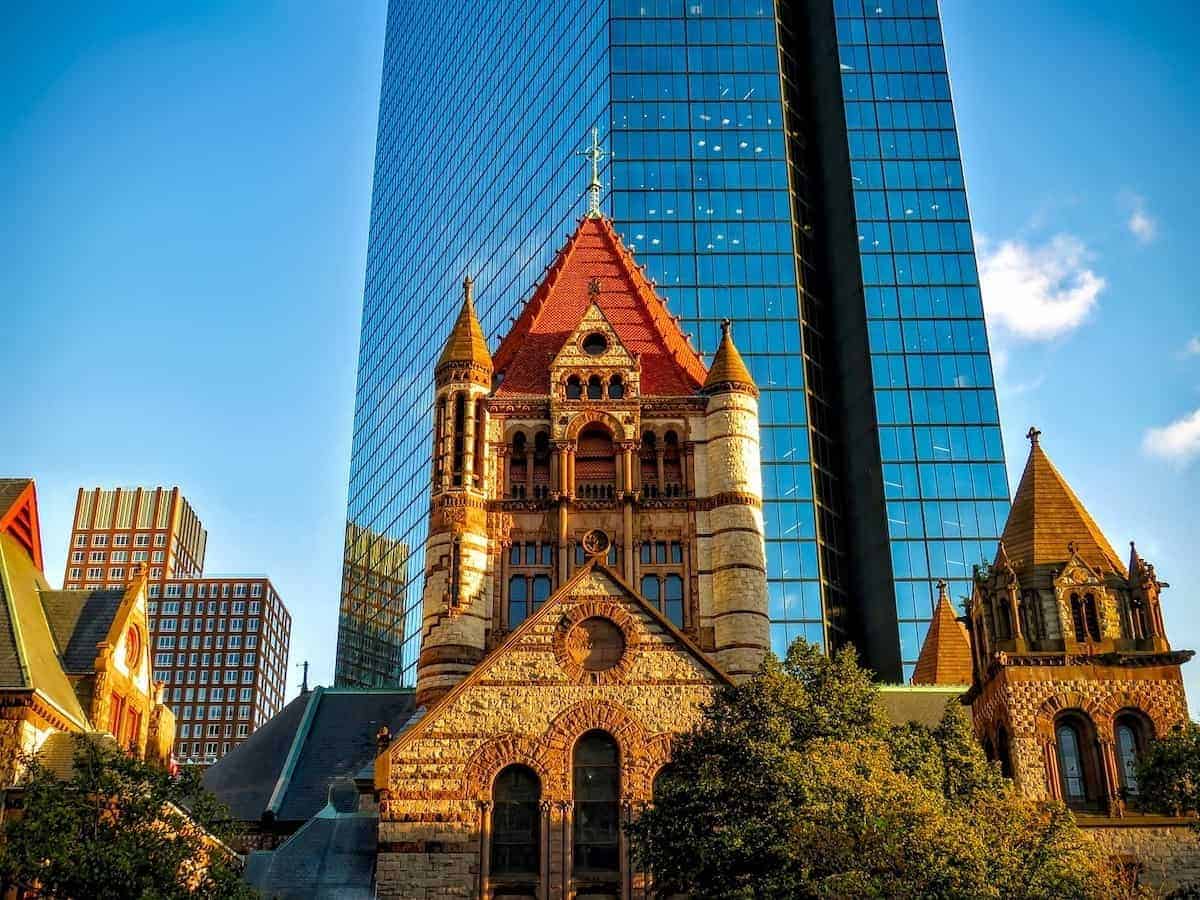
555 653
1078 572
582 348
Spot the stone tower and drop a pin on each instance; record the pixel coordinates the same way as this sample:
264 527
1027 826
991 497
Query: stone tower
733 514
1073 672
457 557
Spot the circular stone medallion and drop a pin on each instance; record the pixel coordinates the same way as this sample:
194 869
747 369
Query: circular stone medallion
596 644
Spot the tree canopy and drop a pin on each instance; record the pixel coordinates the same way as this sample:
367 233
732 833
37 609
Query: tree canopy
117 828
1169 772
796 785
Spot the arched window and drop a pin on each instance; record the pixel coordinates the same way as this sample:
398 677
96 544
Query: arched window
1077 619
595 388
518 465
597 784
673 599
459 446
439 438
1132 732
518 600
616 388
648 460
672 466
541 465
480 450
1031 620
1091 617
595 465
1003 622
1078 766
574 388
516 829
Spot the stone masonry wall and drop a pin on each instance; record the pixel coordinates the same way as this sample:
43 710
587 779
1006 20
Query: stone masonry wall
528 703
1166 853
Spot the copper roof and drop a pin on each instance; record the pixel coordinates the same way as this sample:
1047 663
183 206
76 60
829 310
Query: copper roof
946 654
595 266
728 368
1047 518
467 342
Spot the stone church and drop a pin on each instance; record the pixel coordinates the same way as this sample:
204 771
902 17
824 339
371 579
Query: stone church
595 567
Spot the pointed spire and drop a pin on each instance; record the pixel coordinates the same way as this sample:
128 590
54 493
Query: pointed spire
595 155
728 371
1048 523
466 343
946 654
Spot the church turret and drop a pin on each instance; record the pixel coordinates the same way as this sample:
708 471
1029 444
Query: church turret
741 634
457 552
1073 672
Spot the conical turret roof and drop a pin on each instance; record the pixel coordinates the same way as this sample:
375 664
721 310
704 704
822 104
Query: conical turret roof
1047 517
946 654
728 370
467 343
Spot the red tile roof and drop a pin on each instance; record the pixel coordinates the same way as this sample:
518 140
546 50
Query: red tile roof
669 365
946 654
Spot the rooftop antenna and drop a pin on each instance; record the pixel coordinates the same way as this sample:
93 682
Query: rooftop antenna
595 154
304 683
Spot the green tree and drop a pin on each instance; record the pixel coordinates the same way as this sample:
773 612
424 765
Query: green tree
116 829
1169 772
794 785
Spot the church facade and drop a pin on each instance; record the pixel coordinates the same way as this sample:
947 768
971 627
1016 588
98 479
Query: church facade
595 568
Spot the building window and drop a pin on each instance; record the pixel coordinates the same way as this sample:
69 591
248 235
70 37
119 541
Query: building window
597 789
595 465
616 388
516 825
1132 733
1078 767
1084 618
595 388
574 388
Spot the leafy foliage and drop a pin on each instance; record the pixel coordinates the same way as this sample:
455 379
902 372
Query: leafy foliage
116 829
1169 772
795 785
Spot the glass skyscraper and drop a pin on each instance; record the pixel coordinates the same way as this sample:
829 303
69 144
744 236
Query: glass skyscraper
792 165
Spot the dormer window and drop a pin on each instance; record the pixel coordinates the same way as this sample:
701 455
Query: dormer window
594 344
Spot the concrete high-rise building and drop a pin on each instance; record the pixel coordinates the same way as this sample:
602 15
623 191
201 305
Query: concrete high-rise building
114 529
219 642
792 165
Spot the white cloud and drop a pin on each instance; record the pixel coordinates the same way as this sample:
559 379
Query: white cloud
1038 292
1177 443
1141 224
1192 348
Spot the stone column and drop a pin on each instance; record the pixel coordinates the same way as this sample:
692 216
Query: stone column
448 444
659 454
563 513
627 539
485 846
689 468
567 824
544 849
1110 778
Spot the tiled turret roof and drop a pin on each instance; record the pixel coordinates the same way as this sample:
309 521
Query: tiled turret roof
728 369
1047 517
946 654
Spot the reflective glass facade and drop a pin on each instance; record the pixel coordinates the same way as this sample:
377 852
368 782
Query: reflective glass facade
716 182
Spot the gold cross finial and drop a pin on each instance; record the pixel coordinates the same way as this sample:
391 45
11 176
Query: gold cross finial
595 154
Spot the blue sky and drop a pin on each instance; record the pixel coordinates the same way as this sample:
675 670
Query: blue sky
184 202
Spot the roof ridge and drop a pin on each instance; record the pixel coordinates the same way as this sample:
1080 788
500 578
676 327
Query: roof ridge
275 802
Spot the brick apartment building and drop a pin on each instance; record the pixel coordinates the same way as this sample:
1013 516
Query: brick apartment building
219 643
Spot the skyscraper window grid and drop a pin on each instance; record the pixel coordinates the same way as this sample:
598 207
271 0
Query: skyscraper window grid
943 459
